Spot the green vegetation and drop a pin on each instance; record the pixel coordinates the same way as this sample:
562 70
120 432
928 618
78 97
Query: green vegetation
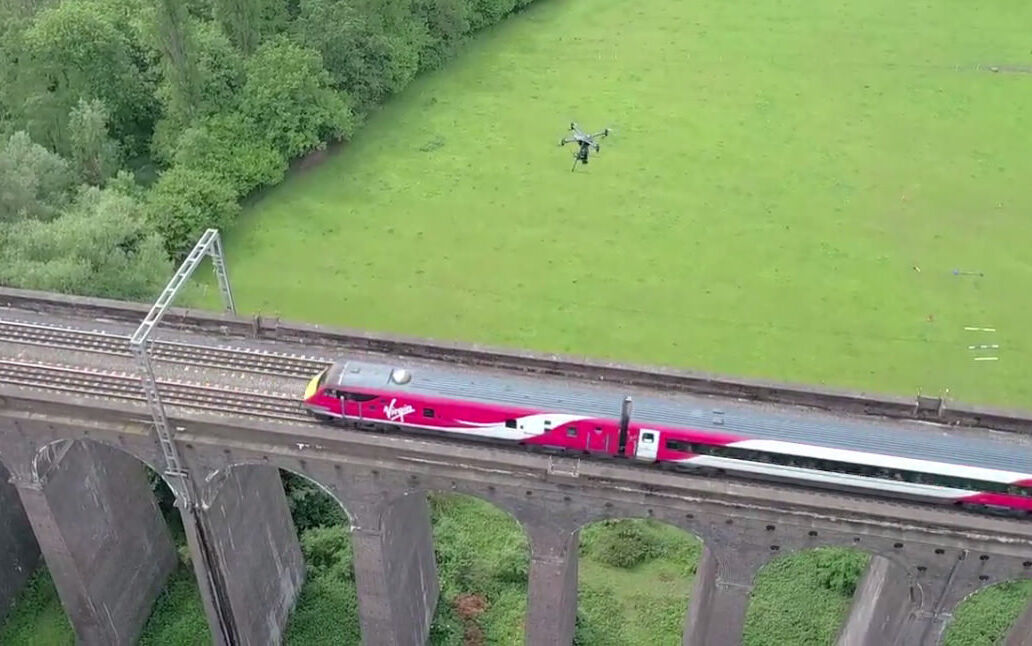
785 195
987 616
635 583
37 619
803 598
178 617
482 560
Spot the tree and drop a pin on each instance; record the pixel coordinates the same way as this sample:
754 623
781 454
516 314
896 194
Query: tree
99 247
247 21
220 77
289 97
186 201
230 146
370 49
488 12
84 49
95 155
34 182
447 24
171 32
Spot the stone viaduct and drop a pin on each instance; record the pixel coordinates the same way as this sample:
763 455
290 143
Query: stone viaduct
75 491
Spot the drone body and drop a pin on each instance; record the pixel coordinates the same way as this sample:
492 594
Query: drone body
585 143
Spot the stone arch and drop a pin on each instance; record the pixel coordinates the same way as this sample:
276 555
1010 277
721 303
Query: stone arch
482 554
96 516
805 595
635 579
991 612
214 481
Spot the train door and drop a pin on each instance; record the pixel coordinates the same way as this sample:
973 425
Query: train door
647 445
598 439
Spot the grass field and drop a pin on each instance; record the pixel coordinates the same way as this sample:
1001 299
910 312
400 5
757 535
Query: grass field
776 174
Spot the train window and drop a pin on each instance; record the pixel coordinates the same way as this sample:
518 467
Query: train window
571 431
428 412
510 423
360 397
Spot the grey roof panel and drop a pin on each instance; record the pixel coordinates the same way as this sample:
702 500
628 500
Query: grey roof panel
877 435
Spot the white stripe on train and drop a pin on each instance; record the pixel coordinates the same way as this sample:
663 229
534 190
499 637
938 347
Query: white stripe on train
827 477
879 460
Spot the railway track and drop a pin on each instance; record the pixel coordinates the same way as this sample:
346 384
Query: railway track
474 356
240 403
78 381
242 359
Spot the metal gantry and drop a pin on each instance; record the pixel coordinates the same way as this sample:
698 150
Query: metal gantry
209 244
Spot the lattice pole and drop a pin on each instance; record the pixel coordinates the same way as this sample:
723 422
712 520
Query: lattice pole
209 244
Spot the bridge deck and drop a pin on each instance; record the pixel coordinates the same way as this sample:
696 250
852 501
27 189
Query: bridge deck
955 444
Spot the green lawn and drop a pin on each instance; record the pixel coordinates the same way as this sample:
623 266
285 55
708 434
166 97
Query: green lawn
777 172
635 581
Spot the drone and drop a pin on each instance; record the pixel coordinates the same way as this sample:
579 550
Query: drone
585 142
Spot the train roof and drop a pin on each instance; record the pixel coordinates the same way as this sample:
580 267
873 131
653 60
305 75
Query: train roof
887 437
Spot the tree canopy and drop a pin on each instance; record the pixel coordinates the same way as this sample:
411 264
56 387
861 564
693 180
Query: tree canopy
127 127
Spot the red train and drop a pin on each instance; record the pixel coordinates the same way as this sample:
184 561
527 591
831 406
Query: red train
456 403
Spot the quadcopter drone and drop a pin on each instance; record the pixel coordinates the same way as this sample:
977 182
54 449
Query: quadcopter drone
585 143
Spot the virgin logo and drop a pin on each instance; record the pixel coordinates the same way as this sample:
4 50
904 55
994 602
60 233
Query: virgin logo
394 413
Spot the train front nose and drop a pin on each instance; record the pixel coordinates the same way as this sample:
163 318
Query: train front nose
313 385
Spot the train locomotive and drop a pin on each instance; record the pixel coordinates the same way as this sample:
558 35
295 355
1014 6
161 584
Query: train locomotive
370 396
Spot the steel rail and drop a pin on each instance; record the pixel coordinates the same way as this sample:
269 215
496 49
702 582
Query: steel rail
839 401
79 381
279 364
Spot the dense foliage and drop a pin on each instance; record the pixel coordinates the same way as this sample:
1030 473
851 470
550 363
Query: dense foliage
127 127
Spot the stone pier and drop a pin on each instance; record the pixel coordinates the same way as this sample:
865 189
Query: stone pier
395 571
19 552
720 595
102 535
246 556
552 584
882 603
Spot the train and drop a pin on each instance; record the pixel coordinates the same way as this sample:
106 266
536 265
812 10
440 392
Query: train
554 417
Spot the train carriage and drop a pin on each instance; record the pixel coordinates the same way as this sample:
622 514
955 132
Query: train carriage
518 411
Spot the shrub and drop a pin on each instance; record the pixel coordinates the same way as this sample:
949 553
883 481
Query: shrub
447 24
34 182
840 571
186 201
488 12
327 552
288 97
231 147
310 506
99 247
622 543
